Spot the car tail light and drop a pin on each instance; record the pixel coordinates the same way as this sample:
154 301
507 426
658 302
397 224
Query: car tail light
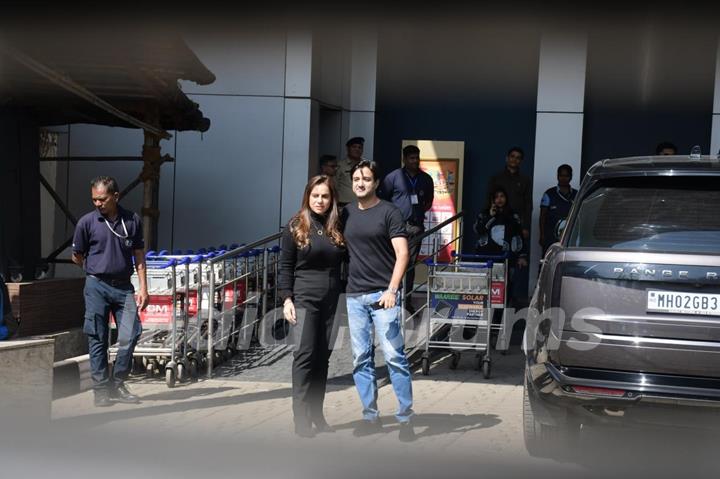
596 391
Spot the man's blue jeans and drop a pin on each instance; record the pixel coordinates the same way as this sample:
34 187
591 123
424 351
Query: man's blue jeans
366 324
100 299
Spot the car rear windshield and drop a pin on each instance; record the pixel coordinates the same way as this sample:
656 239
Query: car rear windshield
664 214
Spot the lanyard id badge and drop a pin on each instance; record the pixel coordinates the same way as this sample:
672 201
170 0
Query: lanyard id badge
125 238
413 184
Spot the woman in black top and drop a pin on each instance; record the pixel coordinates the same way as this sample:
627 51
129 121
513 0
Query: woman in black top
312 248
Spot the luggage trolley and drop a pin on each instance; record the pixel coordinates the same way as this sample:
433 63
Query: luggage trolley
462 297
223 303
163 342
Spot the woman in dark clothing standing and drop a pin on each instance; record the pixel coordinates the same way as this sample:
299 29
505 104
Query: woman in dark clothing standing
312 248
499 230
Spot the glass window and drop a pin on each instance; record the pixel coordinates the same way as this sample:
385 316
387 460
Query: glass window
664 214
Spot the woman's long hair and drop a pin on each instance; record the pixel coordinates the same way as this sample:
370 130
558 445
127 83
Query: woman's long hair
300 223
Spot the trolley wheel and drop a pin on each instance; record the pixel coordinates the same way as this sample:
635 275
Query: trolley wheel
170 377
181 372
454 360
426 366
193 369
226 354
150 370
485 368
137 366
230 351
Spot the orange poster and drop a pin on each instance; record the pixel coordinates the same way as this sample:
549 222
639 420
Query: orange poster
444 174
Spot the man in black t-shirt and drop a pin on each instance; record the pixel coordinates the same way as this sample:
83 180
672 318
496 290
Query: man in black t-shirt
376 239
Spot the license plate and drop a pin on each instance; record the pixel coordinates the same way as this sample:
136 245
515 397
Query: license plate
683 303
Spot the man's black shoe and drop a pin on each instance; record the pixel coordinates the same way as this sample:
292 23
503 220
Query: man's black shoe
407 432
121 394
102 398
365 428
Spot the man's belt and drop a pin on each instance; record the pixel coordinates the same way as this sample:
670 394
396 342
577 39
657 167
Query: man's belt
112 280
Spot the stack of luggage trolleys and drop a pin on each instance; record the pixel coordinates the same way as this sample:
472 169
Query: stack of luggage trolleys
176 322
462 298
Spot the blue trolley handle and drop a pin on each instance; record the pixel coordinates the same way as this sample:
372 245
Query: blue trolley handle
157 265
486 257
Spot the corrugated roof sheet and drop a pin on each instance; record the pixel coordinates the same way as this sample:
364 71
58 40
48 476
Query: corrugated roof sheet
136 71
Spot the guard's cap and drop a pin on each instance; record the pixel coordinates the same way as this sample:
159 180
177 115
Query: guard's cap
357 140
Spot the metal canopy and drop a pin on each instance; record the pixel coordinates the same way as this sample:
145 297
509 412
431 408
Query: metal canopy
112 76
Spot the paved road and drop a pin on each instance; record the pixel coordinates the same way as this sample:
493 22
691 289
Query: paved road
239 423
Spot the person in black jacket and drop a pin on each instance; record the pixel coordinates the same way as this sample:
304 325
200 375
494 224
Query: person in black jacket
312 249
499 230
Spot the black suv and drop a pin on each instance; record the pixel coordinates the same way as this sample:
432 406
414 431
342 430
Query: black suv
624 323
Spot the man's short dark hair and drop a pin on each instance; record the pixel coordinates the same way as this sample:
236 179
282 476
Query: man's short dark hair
567 168
106 182
356 140
325 159
518 149
410 150
369 164
665 145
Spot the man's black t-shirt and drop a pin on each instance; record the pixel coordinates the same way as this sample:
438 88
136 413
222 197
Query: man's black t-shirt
367 235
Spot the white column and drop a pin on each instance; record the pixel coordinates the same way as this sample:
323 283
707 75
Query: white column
715 140
358 117
558 134
297 121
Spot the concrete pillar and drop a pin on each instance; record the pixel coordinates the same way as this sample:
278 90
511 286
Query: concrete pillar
307 85
558 134
297 121
715 140
358 116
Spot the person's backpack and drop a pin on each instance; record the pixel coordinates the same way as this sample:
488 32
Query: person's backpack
5 309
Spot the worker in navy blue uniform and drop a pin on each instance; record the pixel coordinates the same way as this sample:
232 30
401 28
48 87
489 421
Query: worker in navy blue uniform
412 191
554 208
105 243
312 250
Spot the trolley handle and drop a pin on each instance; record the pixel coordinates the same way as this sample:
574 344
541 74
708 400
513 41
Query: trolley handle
160 264
429 262
486 257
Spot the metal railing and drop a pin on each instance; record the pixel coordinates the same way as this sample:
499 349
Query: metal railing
233 266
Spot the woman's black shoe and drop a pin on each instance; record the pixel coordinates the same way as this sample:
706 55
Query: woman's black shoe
322 426
304 430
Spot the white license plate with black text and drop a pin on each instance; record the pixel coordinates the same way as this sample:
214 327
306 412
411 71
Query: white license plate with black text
683 303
